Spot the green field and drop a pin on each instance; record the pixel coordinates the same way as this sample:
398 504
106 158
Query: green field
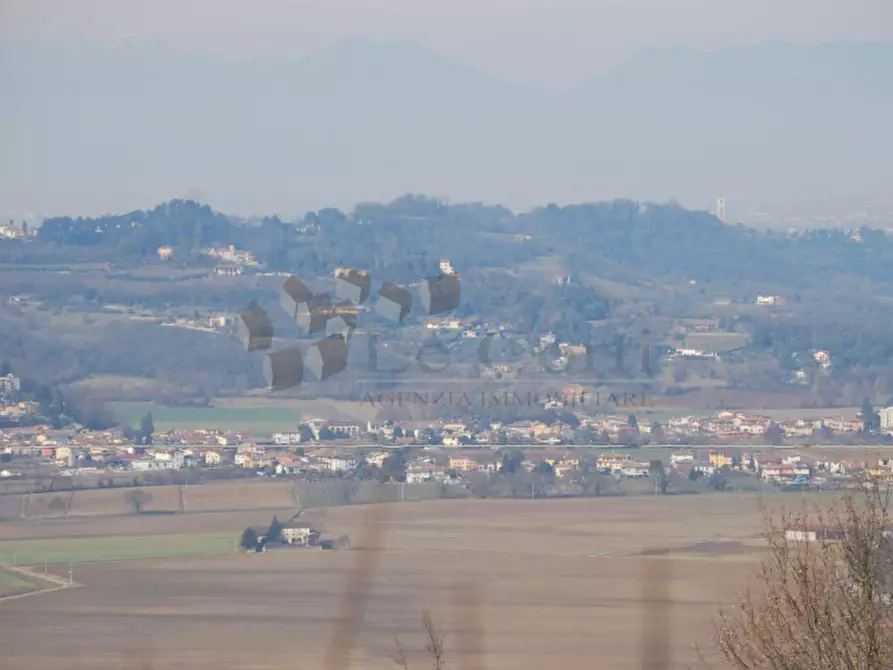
14 583
716 342
258 420
115 548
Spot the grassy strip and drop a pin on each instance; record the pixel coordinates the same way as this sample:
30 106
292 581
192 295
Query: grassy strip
115 548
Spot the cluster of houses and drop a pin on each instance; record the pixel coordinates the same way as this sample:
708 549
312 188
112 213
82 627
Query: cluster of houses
67 446
731 426
436 462
11 231
13 410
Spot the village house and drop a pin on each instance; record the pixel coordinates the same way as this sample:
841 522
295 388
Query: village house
756 425
802 427
759 461
720 459
420 473
679 457
519 431
685 426
611 462
285 464
212 457
455 427
338 463
299 533
823 358
251 458
813 532
463 464
837 467
635 470
545 433
723 427
377 458
231 255
474 463
443 324
566 468
781 471
148 464
344 429
283 439
841 425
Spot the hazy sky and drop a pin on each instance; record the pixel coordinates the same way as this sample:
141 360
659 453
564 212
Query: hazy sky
527 41
69 149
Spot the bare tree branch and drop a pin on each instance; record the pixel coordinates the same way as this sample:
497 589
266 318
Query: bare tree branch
434 642
822 597
399 654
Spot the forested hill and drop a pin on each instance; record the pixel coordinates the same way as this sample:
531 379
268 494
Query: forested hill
583 273
187 225
622 240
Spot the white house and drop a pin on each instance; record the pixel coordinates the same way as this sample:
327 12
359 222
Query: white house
636 470
286 438
678 457
886 418
339 463
802 533
295 532
344 429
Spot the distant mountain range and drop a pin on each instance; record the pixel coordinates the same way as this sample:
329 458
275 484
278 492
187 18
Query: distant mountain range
95 130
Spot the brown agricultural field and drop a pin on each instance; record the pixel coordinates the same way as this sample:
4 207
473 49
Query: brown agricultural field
239 495
210 497
145 524
559 584
11 506
116 501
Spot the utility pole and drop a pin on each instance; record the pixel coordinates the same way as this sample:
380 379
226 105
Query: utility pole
44 567
70 574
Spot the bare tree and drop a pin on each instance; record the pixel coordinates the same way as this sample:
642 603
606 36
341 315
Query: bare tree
434 645
823 595
434 642
138 499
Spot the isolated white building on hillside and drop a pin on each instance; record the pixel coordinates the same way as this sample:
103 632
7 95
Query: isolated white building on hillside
886 418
